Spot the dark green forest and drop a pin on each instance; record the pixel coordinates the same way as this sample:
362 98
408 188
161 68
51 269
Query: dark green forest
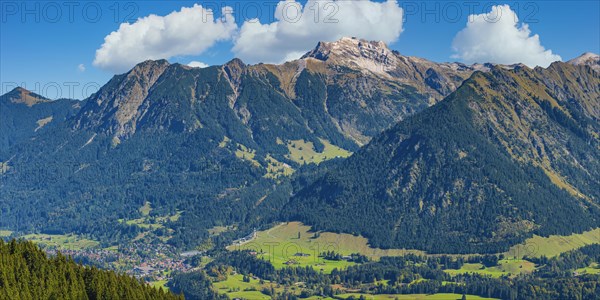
447 173
27 273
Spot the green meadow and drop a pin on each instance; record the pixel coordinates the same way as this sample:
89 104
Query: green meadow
553 245
440 296
294 244
162 284
508 267
150 222
282 245
304 152
594 268
61 241
235 287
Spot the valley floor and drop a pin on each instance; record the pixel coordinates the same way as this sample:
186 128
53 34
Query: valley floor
293 244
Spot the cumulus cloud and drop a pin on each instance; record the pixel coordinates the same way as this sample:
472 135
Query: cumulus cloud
298 28
497 37
189 31
197 64
81 68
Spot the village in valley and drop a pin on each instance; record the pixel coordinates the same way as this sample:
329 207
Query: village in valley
147 256
153 262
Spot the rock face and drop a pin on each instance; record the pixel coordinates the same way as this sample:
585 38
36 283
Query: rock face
511 153
118 105
588 59
369 56
344 91
375 58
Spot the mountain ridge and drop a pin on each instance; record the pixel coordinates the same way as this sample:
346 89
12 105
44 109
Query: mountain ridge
587 58
510 153
194 139
208 141
120 112
20 95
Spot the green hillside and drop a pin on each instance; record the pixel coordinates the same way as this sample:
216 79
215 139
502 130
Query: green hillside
24 115
510 154
207 142
27 273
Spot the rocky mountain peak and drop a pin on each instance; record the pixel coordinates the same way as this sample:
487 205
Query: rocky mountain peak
116 106
374 56
234 69
589 59
149 70
235 63
20 95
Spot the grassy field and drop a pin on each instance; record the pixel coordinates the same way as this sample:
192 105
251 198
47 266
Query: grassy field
304 152
276 168
235 287
5 233
144 223
235 282
146 209
62 241
148 222
247 154
594 268
218 230
441 296
151 223
248 295
553 245
280 244
224 142
300 151
505 267
160 284
171 218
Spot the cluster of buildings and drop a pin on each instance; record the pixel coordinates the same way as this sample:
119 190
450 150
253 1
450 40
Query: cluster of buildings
153 262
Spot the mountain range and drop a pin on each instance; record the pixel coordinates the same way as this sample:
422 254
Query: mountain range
509 154
438 146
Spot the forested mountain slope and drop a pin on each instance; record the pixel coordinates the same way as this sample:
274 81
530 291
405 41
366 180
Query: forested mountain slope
511 153
24 114
190 140
27 273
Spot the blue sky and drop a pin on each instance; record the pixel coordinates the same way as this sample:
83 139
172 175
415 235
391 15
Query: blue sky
43 44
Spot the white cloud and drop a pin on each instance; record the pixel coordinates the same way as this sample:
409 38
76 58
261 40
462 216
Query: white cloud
297 29
197 64
496 37
189 31
81 68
